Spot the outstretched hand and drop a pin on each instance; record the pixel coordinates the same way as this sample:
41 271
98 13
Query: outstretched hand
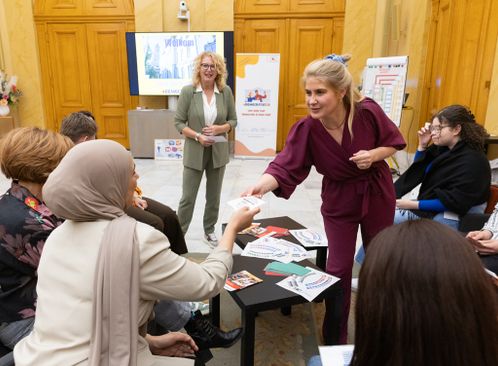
242 218
265 184
256 190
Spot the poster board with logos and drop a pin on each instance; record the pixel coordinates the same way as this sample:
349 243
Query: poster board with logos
168 149
384 80
257 76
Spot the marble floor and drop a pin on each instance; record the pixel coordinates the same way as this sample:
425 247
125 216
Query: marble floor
162 180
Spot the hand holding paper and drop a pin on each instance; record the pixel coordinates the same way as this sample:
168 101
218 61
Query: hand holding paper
217 138
249 201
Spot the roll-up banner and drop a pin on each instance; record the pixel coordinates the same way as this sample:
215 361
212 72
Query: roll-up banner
257 77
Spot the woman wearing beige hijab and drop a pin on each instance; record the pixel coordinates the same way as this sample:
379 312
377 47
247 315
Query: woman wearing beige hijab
101 271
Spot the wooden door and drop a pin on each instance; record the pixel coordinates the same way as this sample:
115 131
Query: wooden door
462 41
109 81
83 61
69 73
310 39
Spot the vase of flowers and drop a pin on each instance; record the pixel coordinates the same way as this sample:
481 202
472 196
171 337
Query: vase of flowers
9 94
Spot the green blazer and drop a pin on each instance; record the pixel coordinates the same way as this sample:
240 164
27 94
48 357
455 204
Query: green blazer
190 113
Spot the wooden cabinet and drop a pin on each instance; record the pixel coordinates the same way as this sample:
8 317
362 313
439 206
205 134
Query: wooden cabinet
301 31
73 8
282 6
83 62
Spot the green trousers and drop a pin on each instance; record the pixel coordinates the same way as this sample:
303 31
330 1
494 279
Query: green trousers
190 187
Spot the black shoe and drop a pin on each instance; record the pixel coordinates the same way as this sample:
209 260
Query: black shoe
202 357
206 335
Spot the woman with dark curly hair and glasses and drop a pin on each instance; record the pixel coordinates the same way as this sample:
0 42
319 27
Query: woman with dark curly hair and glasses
453 171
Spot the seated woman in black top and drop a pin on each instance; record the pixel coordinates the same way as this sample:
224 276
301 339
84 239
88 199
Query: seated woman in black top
454 172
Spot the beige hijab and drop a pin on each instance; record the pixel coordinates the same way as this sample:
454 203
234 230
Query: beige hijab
91 183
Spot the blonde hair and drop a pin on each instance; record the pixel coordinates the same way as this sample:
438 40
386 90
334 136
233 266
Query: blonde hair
220 65
336 76
31 154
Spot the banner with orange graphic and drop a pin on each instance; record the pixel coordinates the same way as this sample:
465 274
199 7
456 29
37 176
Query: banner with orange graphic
257 77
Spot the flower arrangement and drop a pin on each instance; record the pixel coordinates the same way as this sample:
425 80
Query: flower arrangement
9 94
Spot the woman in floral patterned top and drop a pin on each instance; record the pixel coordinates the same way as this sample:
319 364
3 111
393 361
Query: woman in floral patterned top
27 156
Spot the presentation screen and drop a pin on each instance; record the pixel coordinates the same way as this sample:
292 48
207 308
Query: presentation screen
162 63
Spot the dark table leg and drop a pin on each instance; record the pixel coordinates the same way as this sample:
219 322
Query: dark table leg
333 317
321 258
286 310
214 310
247 343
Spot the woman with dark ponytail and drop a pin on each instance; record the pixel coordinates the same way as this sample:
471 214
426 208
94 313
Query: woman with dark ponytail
454 171
346 137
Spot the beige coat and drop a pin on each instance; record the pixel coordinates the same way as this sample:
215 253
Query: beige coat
190 113
61 334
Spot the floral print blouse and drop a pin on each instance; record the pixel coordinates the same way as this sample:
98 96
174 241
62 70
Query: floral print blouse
25 224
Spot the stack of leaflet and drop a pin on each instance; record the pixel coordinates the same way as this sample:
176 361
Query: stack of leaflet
285 269
304 281
280 250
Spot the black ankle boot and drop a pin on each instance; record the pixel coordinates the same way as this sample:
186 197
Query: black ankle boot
206 335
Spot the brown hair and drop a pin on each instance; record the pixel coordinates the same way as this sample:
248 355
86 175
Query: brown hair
31 154
471 132
78 124
220 65
336 75
424 299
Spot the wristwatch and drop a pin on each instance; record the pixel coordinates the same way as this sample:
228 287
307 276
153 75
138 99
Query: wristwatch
197 136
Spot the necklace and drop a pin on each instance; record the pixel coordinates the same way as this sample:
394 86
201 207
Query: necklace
333 128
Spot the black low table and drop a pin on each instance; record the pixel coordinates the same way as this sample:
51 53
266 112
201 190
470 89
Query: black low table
285 222
266 296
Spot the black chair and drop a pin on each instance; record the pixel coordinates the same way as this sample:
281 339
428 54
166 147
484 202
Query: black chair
472 221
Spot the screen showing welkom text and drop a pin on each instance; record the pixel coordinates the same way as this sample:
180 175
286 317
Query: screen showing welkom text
164 61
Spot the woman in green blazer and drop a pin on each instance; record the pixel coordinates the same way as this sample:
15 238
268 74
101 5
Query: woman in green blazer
205 109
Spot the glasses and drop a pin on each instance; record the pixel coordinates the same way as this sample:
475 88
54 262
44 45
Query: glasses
436 129
208 66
